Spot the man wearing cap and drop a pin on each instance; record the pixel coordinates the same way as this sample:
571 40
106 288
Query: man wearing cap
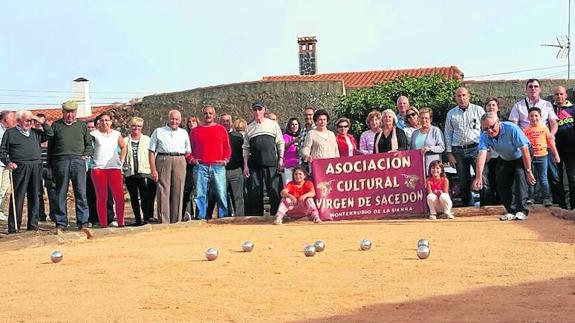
20 152
7 121
169 146
263 153
68 149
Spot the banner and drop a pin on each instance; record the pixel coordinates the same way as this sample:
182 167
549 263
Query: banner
370 186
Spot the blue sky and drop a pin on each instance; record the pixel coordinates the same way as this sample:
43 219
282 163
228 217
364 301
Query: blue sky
129 48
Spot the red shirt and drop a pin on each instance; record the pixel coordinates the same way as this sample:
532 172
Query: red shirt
299 191
437 185
343 147
210 144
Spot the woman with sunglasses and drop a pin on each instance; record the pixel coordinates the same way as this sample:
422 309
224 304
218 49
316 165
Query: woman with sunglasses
346 143
411 122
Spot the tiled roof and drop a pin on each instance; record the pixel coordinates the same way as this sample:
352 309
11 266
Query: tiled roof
53 114
370 78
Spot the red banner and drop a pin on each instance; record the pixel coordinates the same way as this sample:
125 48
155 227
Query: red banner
370 186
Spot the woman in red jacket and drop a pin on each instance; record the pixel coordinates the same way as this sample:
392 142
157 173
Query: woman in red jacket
345 142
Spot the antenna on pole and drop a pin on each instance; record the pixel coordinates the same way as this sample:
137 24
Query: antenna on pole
564 44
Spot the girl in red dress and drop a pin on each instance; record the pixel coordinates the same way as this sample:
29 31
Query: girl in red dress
437 185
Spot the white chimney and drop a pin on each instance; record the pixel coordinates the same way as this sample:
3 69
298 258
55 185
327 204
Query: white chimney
82 96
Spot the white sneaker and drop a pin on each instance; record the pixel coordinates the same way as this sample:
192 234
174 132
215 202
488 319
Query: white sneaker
450 216
3 217
507 217
113 224
278 221
433 217
520 216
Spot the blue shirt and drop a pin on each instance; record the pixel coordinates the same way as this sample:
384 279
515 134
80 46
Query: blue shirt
463 127
507 144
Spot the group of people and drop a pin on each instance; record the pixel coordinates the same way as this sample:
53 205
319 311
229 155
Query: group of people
219 163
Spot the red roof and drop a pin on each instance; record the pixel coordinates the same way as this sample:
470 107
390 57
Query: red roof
370 78
53 114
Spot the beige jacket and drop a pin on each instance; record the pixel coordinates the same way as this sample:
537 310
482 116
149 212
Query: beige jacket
143 162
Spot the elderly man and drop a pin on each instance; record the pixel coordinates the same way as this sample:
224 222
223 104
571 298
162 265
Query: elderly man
462 130
402 105
210 154
7 121
169 146
234 174
263 153
520 115
20 152
513 166
67 153
565 139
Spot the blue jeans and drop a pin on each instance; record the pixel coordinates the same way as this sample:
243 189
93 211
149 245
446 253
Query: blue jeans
204 174
539 166
63 171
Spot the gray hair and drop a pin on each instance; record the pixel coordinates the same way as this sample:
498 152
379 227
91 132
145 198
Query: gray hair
391 113
22 113
490 115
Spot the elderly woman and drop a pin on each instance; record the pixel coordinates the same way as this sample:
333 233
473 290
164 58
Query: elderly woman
189 182
345 142
366 139
291 153
320 142
428 138
390 138
137 173
107 170
411 122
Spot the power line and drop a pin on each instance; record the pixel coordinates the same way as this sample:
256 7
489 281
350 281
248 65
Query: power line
519 71
57 91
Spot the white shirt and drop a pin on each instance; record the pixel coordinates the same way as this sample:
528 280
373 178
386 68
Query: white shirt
166 140
520 112
106 155
463 127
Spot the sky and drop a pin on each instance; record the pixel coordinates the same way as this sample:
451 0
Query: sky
129 48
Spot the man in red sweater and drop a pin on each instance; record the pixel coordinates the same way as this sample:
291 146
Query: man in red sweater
210 154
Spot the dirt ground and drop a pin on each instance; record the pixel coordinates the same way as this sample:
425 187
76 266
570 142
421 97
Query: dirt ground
480 269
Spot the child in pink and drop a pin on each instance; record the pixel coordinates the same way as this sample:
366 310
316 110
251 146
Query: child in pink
437 185
297 198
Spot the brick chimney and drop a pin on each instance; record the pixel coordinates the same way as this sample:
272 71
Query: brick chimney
82 96
307 55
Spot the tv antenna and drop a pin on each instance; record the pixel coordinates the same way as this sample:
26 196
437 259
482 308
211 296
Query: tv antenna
564 44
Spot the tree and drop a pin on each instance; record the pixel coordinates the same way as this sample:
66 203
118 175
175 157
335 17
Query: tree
432 91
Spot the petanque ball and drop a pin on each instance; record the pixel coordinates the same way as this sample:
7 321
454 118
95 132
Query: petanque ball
56 256
247 246
319 246
422 242
309 250
365 244
212 254
423 252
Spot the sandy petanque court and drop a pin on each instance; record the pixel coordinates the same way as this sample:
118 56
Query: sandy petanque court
480 269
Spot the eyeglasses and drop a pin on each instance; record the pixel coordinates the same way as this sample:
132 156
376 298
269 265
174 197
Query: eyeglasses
342 126
533 86
411 115
491 127
257 109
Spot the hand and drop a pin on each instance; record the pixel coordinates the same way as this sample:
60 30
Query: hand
280 165
292 199
83 157
155 176
40 120
530 178
246 172
11 166
301 199
425 149
309 160
557 160
451 159
478 184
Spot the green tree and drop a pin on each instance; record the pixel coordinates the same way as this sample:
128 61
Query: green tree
432 91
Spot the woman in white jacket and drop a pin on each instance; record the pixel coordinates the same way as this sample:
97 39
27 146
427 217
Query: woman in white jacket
137 173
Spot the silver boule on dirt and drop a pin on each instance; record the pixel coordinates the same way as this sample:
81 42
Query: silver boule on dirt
422 242
247 246
365 244
309 250
56 256
212 254
319 246
423 252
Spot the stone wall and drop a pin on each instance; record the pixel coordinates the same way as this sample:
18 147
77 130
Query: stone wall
510 91
286 99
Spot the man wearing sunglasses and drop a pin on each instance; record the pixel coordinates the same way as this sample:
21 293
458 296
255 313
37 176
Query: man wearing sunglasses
263 153
520 115
513 165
